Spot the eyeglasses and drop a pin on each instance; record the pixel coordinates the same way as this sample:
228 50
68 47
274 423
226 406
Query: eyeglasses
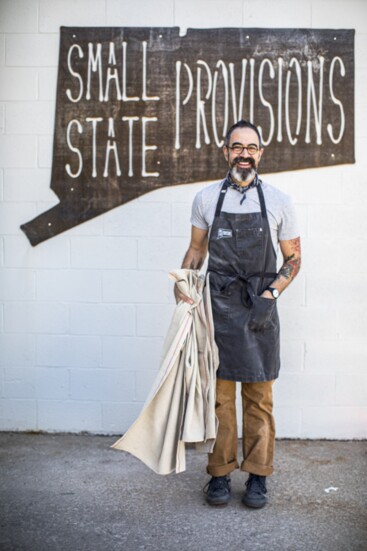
252 149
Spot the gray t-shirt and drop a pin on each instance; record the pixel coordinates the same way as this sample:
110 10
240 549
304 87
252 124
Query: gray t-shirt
279 207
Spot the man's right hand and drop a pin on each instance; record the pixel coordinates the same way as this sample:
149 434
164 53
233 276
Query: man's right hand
179 296
194 258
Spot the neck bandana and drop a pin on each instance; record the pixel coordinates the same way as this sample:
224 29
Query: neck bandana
243 189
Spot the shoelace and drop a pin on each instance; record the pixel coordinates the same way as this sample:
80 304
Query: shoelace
256 484
216 483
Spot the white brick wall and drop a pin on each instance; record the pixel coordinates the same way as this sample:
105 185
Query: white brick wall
208 14
282 13
339 14
19 16
25 49
83 315
2 49
141 13
10 146
70 13
73 351
2 118
30 117
18 83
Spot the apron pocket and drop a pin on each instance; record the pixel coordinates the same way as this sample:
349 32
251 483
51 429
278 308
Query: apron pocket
261 313
220 309
249 238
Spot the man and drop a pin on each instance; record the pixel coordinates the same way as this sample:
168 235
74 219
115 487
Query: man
241 221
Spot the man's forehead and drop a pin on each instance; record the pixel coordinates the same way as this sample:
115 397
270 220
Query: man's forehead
244 136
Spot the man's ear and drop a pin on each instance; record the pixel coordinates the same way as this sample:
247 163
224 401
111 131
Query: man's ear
225 152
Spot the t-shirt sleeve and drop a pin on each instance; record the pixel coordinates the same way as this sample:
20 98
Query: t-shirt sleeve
288 228
197 213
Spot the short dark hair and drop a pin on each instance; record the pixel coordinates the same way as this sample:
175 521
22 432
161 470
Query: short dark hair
241 124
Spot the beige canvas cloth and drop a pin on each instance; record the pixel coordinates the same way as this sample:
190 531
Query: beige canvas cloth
181 405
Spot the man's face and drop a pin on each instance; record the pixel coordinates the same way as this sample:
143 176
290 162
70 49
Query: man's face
243 165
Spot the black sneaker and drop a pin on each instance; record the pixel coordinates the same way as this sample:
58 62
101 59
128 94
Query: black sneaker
218 490
254 495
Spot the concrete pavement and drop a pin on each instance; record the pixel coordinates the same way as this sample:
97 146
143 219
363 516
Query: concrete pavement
63 492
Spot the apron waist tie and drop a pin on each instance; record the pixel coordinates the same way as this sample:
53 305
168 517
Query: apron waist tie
244 280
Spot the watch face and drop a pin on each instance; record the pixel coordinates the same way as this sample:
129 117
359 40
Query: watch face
274 292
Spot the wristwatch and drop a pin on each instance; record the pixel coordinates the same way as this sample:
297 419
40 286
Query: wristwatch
273 291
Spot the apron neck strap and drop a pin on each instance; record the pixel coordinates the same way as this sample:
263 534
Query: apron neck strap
222 194
262 200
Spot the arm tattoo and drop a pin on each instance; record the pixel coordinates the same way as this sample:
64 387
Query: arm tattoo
292 263
290 267
296 245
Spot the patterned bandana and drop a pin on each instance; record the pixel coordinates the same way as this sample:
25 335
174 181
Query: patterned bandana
242 189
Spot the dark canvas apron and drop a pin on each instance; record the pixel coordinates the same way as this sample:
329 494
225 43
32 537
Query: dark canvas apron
242 263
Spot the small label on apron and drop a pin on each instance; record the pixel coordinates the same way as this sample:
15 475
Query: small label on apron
223 232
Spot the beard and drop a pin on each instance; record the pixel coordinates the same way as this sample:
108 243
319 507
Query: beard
243 175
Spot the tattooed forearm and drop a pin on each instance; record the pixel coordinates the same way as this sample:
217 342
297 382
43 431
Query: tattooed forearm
292 260
290 268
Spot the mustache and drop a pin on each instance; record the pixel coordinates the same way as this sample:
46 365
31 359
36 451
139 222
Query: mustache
249 160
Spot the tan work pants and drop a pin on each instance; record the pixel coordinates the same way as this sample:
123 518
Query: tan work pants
258 429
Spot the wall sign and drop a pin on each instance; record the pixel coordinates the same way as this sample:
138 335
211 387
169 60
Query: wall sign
143 108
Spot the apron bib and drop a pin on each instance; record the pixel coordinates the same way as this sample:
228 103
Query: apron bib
242 263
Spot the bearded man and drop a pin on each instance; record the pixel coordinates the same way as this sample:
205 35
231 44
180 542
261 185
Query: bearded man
242 222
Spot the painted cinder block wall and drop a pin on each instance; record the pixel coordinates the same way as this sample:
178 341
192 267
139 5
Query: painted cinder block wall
83 315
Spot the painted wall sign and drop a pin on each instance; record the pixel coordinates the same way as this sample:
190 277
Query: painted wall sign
142 108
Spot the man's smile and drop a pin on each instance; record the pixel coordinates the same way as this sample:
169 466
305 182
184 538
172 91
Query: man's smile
242 162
